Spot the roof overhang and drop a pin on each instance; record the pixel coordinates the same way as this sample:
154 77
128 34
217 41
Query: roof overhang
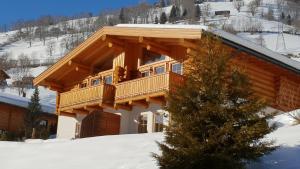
100 38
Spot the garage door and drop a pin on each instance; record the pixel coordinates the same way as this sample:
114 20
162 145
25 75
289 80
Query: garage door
99 124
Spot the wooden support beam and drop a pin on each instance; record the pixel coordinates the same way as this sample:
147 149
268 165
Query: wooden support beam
190 51
91 108
80 111
122 106
106 105
141 39
64 113
104 37
54 86
150 45
188 44
141 103
157 100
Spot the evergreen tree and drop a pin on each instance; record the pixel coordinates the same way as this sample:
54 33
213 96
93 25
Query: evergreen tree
289 19
184 14
31 118
282 16
163 18
197 12
216 121
162 3
156 20
173 14
122 17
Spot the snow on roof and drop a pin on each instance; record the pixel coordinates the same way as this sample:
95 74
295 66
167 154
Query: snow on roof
233 40
23 102
165 26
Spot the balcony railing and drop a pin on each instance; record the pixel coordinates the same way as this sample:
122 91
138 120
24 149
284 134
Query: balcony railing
146 86
103 93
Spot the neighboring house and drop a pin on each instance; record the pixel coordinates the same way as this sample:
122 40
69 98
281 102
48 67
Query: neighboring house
117 80
26 81
3 77
12 113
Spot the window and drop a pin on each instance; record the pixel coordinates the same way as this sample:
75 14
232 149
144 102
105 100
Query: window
151 57
95 82
177 68
44 123
160 70
108 79
142 128
145 74
159 122
83 85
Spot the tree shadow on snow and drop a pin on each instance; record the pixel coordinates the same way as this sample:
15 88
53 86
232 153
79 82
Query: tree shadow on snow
281 158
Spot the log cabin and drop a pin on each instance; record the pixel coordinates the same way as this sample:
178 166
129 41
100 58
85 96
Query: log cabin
13 110
116 81
3 77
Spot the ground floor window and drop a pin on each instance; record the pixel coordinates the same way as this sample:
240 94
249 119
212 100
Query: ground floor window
142 128
159 122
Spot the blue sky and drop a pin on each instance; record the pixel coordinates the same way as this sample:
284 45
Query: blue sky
13 10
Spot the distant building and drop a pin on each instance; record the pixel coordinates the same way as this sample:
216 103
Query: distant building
224 13
3 77
13 110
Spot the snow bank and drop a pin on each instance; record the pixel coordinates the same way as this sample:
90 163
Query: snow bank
130 151
108 152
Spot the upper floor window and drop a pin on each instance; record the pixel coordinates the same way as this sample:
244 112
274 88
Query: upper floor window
108 79
83 85
159 70
177 68
145 73
95 82
151 57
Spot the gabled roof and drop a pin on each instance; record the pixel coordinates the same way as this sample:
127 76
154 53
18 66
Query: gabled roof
97 37
191 32
23 102
3 74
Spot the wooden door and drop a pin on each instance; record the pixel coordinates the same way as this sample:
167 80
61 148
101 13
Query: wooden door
100 123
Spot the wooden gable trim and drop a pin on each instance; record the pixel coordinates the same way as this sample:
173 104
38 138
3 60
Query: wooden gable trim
119 31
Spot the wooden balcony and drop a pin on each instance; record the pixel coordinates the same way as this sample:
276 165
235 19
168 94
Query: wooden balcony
88 96
142 89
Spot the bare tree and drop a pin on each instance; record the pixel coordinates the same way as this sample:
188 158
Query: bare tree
29 32
20 73
238 4
257 2
50 47
205 12
4 62
252 7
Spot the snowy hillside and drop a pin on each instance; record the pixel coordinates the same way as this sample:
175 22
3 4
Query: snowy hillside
131 151
253 28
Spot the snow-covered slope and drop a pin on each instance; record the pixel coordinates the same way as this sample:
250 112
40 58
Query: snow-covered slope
39 51
131 151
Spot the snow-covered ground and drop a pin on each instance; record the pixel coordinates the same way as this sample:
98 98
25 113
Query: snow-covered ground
131 151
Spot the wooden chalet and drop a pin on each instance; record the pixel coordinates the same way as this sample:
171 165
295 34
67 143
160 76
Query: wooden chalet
3 77
13 110
116 81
